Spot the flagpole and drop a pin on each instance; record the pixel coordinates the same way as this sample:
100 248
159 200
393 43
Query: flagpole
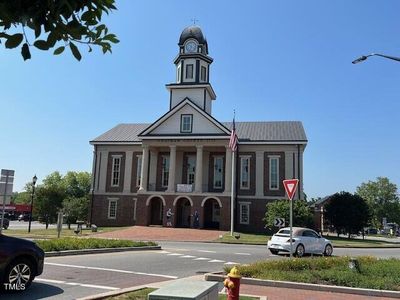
232 190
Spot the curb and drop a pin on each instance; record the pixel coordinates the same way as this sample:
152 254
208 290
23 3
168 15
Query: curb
309 286
98 251
396 245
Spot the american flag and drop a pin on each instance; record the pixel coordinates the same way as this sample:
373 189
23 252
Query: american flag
234 139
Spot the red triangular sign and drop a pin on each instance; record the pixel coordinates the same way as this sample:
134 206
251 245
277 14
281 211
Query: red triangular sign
290 187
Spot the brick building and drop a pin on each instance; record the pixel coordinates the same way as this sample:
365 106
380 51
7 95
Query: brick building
182 160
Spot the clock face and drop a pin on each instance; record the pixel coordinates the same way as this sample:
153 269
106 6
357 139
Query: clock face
191 47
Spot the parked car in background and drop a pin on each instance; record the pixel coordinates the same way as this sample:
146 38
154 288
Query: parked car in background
20 262
6 222
369 231
23 217
304 241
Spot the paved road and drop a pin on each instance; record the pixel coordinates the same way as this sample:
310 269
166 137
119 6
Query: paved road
77 276
34 225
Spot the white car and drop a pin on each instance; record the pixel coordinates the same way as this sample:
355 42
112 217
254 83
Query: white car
304 241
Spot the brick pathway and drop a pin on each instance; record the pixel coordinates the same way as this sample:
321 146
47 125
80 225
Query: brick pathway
273 293
146 233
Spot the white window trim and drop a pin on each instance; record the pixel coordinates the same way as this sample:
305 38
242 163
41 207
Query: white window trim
190 123
110 200
162 170
139 170
242 158
222 173
178 74
241 204
271 157
205 73
113 157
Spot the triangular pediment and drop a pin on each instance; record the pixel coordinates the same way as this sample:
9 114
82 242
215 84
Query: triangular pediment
169 125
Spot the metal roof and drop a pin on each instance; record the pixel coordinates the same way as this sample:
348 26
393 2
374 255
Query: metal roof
282 131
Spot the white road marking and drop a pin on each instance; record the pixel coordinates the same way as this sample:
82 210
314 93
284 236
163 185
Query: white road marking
175 254
207 251
216 260
188 256
164 252
231 263
202 258
242 253
110 270
103 287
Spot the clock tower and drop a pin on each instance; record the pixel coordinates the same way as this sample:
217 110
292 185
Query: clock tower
192 71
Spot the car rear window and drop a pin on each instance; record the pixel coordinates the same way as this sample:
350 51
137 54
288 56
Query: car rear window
283 232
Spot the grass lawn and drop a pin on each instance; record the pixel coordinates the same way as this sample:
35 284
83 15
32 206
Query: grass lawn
261 239
52 232
383 274
142 295
73 243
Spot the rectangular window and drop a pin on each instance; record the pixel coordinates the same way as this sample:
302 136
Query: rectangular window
189 71
186 123
244 212
274 173
164 170
112 208
191 169
116 170
218 171
178 74
203 74
139 170
245 172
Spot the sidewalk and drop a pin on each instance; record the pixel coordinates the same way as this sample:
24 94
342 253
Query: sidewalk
149 233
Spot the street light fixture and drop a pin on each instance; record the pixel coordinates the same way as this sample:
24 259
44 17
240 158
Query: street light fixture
34 179
364 57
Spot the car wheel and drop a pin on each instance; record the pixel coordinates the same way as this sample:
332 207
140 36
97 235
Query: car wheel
328 250
5 227
275 252
300 250
20 272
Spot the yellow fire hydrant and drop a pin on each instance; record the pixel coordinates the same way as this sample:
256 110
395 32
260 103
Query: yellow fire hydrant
232 284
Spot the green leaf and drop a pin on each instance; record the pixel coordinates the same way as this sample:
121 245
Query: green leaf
41 44
26 54
14 40
111 37
75 51
59 50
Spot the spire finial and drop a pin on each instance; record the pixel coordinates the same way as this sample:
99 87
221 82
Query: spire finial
194 20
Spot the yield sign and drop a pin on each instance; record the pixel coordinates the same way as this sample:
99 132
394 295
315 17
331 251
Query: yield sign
290 187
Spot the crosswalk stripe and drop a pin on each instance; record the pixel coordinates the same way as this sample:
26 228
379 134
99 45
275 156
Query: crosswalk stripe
202 258
188 256
231 263
216 260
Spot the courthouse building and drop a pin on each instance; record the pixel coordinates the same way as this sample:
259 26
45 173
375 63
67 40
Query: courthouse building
182 161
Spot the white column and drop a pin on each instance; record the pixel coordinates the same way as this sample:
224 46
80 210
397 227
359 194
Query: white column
199 169
128 171
172 165
228 169
259 173
145 168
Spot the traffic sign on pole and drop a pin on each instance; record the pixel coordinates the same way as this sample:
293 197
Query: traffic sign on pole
279 222
290 187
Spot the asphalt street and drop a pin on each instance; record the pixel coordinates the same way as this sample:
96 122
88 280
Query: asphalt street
72 277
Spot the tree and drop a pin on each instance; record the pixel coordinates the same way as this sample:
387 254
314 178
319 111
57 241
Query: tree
381 196
45 24
347 213
75 209
302 215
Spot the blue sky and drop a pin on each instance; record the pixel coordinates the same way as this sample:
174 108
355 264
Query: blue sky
273 60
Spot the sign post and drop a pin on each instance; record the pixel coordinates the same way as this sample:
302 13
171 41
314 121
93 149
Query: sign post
6 187
59 223
290 188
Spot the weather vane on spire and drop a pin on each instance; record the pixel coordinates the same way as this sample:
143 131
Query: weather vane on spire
194 20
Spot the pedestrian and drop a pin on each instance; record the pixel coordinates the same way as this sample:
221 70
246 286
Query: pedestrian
196 221
169 217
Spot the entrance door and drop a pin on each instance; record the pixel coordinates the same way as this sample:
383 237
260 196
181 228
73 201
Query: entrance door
156 208
183 211
211 214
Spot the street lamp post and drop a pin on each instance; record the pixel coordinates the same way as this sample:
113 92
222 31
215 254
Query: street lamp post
364 57
34 179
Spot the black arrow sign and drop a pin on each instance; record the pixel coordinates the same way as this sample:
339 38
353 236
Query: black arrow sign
279 222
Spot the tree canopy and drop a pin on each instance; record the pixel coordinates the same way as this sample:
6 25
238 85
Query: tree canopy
302 215
381 196
61 23
347 213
